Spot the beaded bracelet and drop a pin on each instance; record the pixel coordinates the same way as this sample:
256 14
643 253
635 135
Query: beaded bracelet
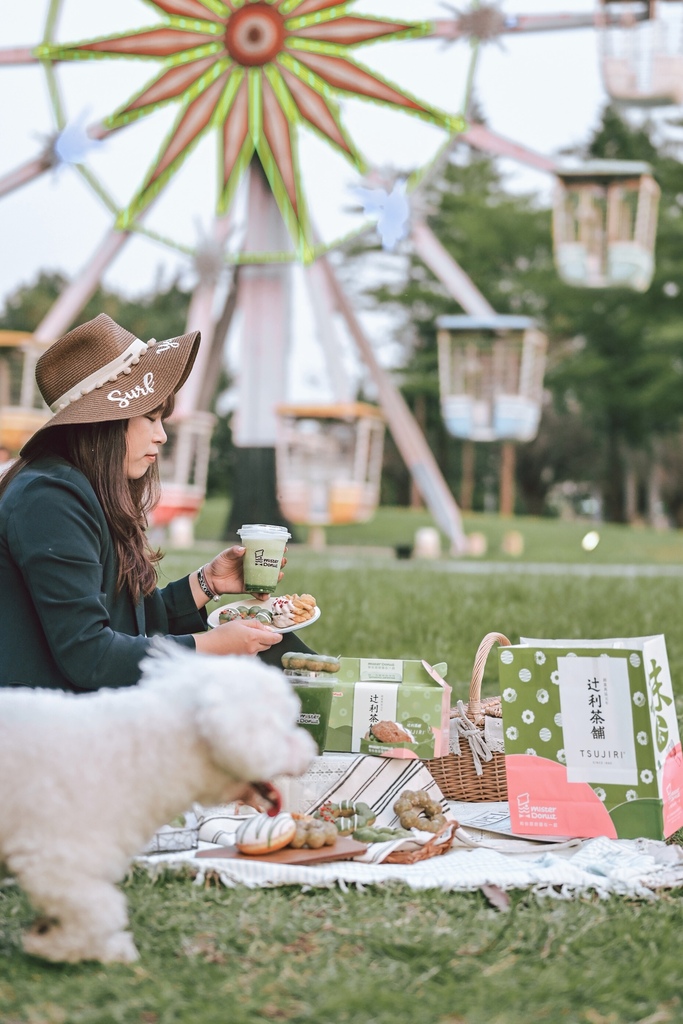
201 579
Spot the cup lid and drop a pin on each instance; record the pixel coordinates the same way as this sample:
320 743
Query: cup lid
261 529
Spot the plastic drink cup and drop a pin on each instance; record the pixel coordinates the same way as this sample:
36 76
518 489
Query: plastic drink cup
265 548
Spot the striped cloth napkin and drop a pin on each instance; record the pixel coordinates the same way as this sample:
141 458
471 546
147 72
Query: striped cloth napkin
378 782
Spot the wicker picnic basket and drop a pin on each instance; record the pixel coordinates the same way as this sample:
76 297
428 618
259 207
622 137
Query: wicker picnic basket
475 773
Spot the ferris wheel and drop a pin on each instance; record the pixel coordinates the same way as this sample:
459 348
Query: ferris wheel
268 82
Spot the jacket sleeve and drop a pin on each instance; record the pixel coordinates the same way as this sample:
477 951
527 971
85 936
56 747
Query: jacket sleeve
59 541
173 611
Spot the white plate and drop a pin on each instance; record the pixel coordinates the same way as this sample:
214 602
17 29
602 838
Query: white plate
249 601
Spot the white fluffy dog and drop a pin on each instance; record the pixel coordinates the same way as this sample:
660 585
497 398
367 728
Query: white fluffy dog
85 781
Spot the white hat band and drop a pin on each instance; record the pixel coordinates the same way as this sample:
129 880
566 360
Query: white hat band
109 372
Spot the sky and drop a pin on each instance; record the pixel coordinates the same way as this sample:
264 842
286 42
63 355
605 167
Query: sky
542 90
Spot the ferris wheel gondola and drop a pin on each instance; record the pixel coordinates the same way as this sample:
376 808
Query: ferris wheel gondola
329 462
642 51
22 410
491 376
605 223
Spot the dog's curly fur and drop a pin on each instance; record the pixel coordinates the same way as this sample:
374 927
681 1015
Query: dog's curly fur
87 779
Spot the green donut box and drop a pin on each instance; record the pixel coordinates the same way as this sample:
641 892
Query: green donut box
413 695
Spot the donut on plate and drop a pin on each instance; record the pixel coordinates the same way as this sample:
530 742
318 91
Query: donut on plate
416 809
259 833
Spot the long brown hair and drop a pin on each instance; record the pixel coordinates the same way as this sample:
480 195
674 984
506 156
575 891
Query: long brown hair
98 450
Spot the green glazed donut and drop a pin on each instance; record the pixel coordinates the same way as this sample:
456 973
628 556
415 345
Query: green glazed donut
347 816
301 662
380 835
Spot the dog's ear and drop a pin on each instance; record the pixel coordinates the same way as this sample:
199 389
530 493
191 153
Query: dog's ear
248 718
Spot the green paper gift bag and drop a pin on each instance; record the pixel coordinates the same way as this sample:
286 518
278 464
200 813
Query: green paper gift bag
591 738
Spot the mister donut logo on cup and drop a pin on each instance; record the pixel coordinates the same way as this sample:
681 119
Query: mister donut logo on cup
265 548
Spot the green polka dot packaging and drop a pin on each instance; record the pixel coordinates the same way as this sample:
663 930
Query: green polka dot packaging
592 746
389 708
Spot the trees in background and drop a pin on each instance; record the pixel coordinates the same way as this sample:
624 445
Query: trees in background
625 368
615 371
503 241
161 314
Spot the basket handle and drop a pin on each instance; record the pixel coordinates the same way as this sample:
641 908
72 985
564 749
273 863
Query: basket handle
491 640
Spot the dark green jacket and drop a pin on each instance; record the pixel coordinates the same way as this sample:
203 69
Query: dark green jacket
61 623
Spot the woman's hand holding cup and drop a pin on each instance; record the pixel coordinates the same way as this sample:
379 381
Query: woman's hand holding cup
225 574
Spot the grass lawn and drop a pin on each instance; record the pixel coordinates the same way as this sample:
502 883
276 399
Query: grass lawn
217 956
544 539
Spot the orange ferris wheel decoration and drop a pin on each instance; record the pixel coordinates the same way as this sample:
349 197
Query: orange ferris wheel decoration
253 72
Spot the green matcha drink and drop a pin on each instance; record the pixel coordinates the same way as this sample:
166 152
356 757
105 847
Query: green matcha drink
265 546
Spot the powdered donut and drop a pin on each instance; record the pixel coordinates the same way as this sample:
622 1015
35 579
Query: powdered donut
292 609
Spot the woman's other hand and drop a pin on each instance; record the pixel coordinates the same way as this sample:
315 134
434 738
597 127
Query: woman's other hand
225 575
241 636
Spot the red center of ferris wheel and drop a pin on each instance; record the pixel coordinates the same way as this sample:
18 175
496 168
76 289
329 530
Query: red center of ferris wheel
254 34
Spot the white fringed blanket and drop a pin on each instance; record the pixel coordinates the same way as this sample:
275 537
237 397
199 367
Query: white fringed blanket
603 866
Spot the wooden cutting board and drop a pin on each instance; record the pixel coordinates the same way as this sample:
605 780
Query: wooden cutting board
343 849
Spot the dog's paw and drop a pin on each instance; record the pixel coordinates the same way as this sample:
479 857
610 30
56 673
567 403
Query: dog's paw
56 945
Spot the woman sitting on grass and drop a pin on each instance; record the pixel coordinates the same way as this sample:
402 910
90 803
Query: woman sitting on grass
79 599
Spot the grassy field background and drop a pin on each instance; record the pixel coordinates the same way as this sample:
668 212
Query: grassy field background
217 956
544 539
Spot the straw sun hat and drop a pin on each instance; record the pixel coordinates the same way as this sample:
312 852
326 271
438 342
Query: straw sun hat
100 371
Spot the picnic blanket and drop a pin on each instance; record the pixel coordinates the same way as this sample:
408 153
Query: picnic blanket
479 856
625 867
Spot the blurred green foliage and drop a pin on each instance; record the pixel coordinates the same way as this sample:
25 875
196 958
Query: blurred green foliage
615 368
